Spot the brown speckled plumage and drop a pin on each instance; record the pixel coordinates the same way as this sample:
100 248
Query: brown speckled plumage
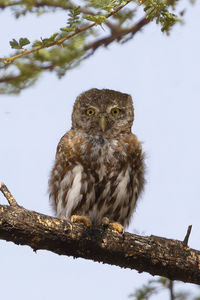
98 173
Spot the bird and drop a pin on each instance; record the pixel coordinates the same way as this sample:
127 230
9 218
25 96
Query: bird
99 169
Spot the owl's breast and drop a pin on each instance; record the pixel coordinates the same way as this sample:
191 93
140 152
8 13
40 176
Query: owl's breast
103 157
97 177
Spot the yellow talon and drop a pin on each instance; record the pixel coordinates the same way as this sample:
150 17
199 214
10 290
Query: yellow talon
105 221
81 219
118 227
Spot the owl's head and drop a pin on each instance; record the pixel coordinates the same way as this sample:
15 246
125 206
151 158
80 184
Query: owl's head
103 112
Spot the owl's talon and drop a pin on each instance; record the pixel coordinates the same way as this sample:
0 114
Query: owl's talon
105 222
81 219
118 227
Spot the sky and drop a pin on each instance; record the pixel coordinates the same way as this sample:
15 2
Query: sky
163 76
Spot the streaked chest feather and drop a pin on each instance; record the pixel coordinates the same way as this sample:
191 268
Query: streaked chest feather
100 181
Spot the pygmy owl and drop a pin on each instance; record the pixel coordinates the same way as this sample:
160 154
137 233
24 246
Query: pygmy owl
99 168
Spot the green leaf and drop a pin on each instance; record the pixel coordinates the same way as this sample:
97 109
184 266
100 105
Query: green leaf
37 43
68 29
107 5
14 44
19 45
49 40
24 42
97 19
74 16
157 9
144 293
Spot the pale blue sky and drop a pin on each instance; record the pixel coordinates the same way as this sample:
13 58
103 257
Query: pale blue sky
163 76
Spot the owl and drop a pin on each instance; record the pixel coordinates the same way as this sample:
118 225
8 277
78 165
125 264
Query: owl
98 173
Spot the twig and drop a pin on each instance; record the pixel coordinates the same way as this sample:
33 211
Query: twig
185 241
171 290
7 194
61 41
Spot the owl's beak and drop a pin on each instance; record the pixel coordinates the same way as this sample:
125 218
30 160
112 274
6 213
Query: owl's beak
102 123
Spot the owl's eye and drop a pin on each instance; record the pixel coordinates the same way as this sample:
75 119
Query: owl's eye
90 112
115 111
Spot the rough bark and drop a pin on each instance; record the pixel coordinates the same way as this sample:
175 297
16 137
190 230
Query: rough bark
155 255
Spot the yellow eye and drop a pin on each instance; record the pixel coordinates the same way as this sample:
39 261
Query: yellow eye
115 111
90 111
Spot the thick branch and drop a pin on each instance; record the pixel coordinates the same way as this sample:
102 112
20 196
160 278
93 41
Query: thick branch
45 4
37 4
9 78
155 255
117 35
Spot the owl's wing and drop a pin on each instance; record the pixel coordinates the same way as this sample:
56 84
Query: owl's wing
69 184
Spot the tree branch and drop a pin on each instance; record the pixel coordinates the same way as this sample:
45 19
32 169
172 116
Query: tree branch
60 42
93 46
171 290
46 4
185 241
155 255
38 4
117 35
